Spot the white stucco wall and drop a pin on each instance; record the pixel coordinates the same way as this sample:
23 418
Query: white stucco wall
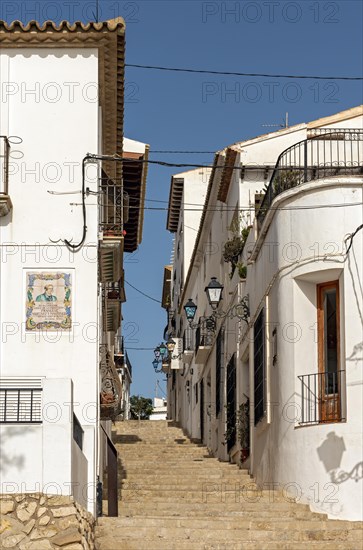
49 101
283 451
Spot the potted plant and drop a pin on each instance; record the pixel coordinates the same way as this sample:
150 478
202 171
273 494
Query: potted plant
244 429
233 248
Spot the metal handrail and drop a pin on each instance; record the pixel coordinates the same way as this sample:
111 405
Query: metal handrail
112 476
4 170
323 154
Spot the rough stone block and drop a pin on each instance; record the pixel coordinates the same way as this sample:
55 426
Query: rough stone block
69 536
29 526
63 511
6 506
25 510
64 523
44 520
43 532
12 541
59 500
36 545
41 511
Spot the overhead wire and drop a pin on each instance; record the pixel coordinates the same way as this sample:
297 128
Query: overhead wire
143 293
235 73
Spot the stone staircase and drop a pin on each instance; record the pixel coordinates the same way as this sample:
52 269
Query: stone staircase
174 496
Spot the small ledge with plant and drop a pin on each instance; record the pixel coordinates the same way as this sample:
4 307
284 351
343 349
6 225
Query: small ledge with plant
232 252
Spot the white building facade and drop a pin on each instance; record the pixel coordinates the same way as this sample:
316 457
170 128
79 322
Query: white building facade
276 384
63 235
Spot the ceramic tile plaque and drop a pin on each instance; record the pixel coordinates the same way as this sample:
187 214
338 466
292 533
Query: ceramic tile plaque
48 301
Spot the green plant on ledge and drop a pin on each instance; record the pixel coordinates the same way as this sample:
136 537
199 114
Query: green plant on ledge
242 270
233 248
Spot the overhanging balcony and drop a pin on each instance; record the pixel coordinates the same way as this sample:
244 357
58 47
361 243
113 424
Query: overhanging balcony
327 152
111 387
188 345
5 201
204 338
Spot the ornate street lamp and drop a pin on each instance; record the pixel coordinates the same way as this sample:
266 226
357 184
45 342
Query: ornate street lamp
155 365
170 344
214 293
190 310
163 351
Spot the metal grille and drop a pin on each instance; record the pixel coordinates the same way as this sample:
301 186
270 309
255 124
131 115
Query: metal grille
21 405
321 397
327 152
231 403
78 432
219 360
259 367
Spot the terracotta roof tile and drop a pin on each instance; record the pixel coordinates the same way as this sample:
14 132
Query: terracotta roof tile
77 26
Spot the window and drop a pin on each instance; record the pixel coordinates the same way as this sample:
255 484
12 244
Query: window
21 401
231 403
329 351
259 367
219 360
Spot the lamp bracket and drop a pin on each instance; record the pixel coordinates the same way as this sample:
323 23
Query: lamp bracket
240 311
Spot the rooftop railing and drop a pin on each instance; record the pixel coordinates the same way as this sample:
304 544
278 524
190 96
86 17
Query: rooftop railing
327 152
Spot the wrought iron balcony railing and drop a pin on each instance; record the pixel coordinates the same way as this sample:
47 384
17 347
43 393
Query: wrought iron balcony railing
111 203
111 388
204 334
322 397
4 165
327 152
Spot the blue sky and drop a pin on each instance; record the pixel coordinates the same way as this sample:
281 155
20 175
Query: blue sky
208 112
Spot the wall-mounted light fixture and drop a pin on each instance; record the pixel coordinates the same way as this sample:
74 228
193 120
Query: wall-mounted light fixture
214 294
164 354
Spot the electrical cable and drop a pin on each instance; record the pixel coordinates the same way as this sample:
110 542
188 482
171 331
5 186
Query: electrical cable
233 73
140 349
182 152
143 293
252 208
75 247
351 237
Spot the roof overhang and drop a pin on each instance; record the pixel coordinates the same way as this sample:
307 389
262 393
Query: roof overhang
109 39
135 167
227 173
166 298
175 199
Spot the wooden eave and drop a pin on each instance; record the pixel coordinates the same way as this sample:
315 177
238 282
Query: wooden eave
227 172
134 181
175 199
166 298
109 39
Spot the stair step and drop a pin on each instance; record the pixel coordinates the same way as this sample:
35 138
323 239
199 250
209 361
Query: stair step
239 535
174 495
162 544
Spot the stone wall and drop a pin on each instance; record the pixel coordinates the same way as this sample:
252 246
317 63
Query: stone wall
44 522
